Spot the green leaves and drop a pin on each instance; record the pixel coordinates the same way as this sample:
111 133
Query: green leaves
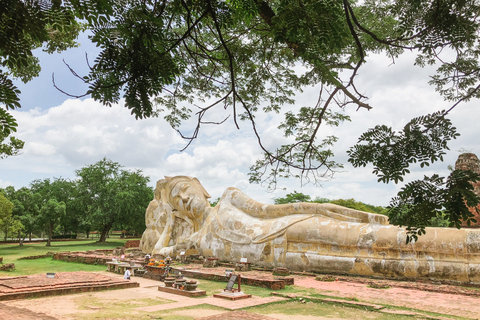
136 58
9 96
423 140
113 196
292 198
6 207
25 26
245 10
9 146
421 201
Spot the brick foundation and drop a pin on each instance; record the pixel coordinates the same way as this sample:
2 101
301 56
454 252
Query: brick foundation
64 283
132 244
264 283
89 258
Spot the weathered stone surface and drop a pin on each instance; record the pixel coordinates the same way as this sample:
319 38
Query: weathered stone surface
243 266
210 262
118 251
308 237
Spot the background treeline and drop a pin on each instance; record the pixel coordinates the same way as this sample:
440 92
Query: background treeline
103 197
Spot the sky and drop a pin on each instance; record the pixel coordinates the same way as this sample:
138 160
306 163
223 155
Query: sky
63 134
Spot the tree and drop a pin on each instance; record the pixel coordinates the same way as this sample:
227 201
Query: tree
6 208
357 205
52 197
12 145
133 198
26 25
421 202
292 198
113 196
25 209
244 54
349 203
50 214
214 202
245 57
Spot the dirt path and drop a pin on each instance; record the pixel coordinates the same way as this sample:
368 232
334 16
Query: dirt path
146 299
446 303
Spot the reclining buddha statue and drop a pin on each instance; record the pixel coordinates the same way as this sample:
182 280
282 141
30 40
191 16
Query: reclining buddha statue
312 237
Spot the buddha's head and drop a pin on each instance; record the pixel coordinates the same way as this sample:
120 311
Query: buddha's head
184 194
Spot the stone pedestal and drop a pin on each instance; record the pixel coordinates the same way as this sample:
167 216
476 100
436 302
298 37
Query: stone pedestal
243 266
210 262
180 284
169 282
191 285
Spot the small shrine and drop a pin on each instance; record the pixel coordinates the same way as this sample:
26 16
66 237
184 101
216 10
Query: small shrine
232 293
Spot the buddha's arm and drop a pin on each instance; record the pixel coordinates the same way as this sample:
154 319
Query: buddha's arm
268 211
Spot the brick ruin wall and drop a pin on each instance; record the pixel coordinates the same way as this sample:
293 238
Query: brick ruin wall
469 161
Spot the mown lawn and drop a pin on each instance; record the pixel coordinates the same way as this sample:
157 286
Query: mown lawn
12 252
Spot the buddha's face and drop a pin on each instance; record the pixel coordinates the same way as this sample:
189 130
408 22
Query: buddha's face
189 197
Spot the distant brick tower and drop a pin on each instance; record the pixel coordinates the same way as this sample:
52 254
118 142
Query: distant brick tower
469 161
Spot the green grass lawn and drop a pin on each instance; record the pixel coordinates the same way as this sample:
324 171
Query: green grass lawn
12 252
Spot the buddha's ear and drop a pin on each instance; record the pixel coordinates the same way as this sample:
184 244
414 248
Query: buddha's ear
205 193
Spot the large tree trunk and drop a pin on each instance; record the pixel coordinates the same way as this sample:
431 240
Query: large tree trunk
20 240
50 231
103 236
30 237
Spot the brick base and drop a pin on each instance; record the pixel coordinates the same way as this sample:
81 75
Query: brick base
64 283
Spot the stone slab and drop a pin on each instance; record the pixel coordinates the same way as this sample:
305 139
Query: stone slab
232 295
